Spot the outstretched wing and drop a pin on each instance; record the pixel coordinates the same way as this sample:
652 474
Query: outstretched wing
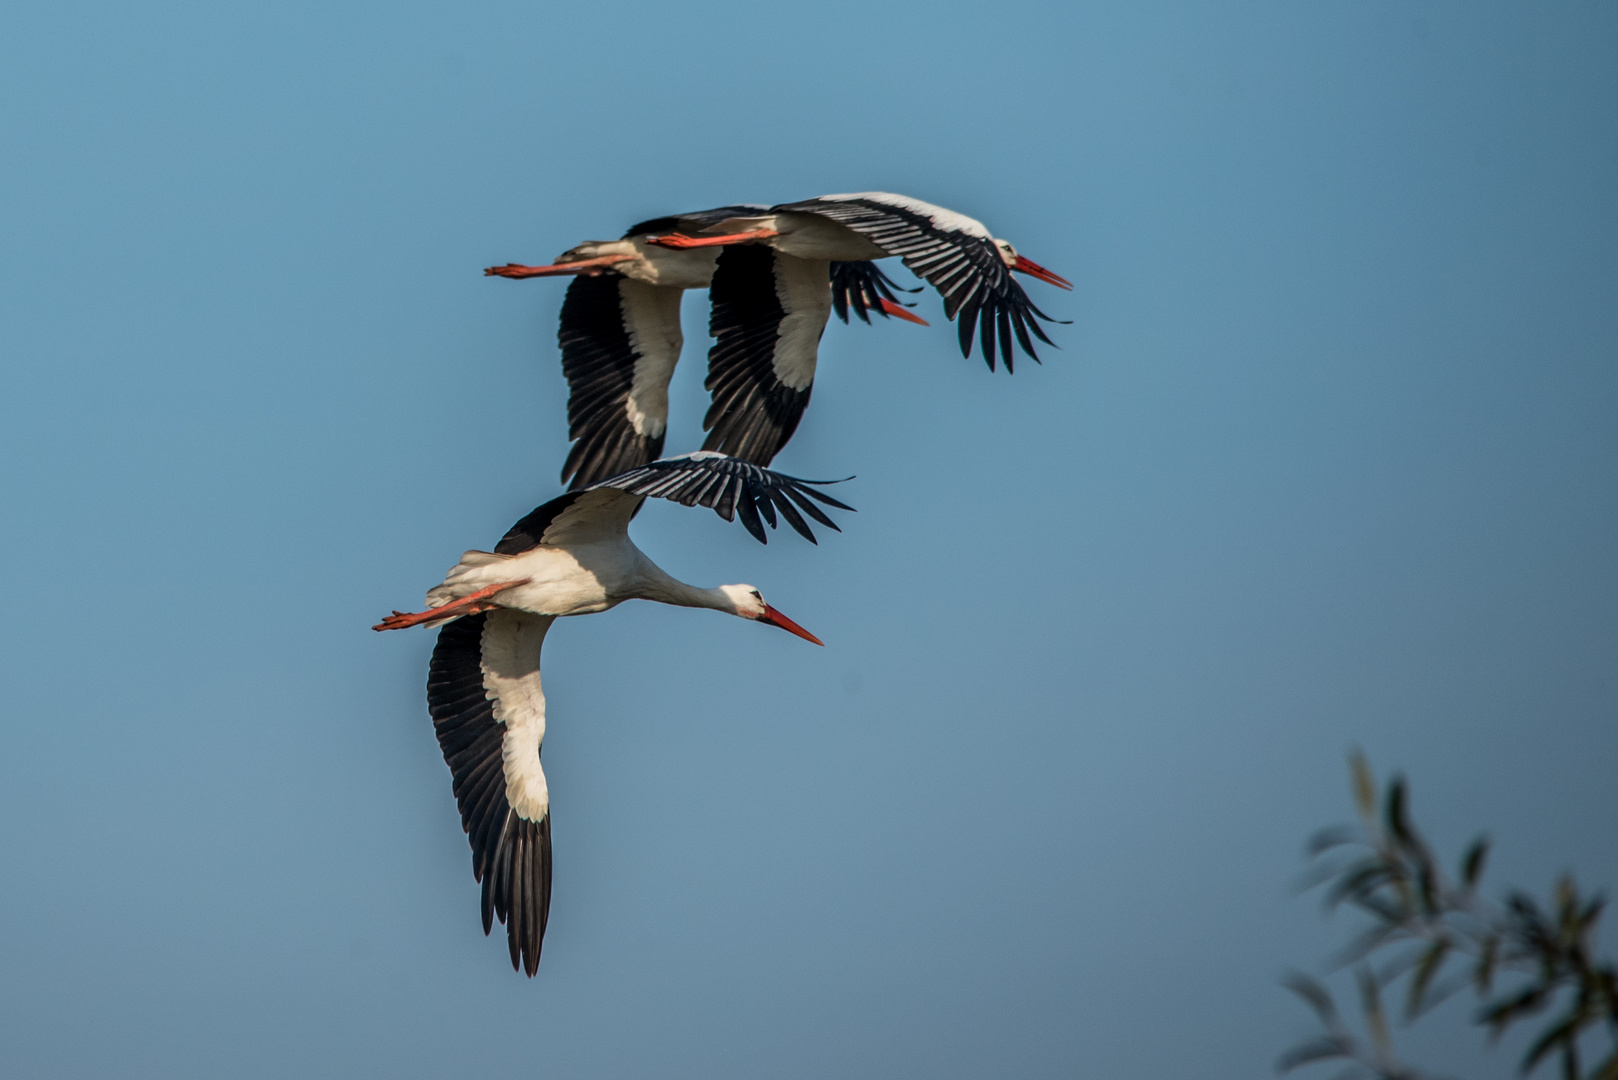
488 711
953 253
620 341
729 486
726 485
769 311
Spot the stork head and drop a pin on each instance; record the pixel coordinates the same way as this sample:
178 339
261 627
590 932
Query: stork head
1024 265
748 602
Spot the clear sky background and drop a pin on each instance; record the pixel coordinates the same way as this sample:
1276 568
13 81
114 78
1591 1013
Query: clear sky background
1327 458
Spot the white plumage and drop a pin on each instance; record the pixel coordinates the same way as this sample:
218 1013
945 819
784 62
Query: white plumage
571 556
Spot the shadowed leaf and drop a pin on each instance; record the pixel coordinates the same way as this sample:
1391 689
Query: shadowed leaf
1364 945
1398 821
1316 996
1322 1048
1431 961
1486 961
1375 1022
1500 1015
1561 1034
1472 862
1357 880
1364 786
1318 874
1330 837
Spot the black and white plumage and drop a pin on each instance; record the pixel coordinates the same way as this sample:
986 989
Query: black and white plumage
620 333
620 340
571 556
956 254
863 287
478 725
769 311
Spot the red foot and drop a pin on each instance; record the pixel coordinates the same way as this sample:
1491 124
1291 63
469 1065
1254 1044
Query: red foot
678 242
583 266
898 312
466 605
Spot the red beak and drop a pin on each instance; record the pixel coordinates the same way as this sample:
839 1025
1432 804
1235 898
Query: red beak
1033 269
583 266
890 308
776 618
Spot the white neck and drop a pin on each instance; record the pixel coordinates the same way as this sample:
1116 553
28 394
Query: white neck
658 585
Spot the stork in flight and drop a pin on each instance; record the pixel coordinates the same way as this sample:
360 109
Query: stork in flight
955 254
571 556
768 311
620 333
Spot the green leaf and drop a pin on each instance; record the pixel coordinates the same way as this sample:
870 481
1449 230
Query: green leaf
1358 880
1330 837
1591 914
1364 785
1321 1048
1316 996
1431 961
1375 1022
1427 888
1364 945
1558 1035
1500 1015
1472 862
1485 970
1396 813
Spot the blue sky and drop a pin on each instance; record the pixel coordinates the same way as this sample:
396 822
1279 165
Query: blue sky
1327 458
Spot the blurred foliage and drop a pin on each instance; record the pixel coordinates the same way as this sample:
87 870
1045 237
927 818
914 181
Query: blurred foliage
1432 936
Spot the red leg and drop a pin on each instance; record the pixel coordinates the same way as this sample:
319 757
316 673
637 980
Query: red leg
583 266
890 308
675 240
470 604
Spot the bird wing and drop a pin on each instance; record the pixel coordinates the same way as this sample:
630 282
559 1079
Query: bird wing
695 221
726 485
729 486
488 711
953 253
769 311
620 341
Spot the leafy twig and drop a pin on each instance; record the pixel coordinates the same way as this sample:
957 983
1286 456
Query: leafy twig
1385 869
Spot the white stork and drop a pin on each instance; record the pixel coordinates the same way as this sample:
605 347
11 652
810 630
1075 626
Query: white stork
954 253
620 333
572 556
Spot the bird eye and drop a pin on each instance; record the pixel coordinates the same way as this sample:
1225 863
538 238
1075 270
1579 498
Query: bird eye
757 595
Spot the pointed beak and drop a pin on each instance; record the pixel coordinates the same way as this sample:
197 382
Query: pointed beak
777 619
898 312
1033 269
583 266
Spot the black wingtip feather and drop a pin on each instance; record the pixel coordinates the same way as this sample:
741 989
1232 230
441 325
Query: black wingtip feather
755 493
